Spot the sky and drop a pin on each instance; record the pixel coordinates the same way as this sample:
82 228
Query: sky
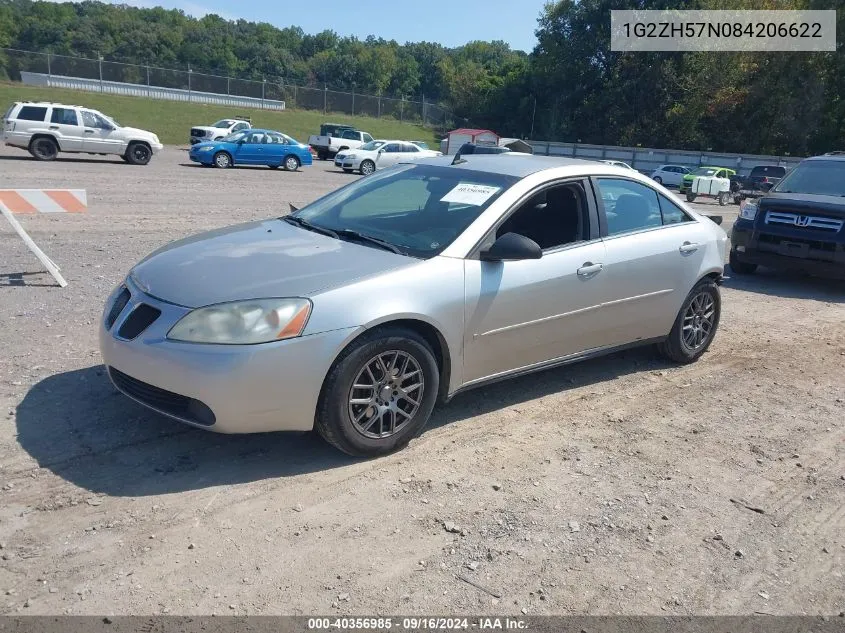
449 22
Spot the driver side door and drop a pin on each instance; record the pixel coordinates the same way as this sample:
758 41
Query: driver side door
522 314
389 155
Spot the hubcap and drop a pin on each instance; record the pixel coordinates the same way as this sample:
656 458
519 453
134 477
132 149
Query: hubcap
367 169
140 152
223 160
386 394
698 321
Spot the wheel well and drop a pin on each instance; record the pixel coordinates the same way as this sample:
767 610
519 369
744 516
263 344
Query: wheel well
715 276
432 336
342 148
35 137
144 143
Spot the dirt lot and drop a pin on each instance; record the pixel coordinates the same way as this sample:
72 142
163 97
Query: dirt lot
622 485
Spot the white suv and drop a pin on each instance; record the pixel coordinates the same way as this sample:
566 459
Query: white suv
45 129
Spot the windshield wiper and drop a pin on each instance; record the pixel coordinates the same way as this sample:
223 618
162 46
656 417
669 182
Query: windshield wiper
305 224
369 238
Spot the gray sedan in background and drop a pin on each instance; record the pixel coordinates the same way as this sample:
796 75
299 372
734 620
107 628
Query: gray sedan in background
358 313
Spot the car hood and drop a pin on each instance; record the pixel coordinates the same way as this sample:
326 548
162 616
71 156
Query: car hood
804 203
134 131
197 146
206 128
269 258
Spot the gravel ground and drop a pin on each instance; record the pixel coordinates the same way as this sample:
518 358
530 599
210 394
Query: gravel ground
621 485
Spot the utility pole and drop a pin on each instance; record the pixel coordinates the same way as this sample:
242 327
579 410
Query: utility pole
190 72
533 114
325 96
100 62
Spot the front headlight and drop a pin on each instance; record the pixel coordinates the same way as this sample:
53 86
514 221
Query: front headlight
243 322
207 148
748 211
351 156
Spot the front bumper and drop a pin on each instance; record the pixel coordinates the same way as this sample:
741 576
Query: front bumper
223 388
201 157
788 249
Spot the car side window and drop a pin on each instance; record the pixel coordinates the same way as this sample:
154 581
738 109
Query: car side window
410 148
239 126
32 113
628 205
671 212
274 138
89 119
553 217
256 138
392 148
64 116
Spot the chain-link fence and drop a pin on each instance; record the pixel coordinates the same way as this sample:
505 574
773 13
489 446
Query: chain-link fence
118 77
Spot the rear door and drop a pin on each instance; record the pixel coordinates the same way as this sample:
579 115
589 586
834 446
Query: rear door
275 148
67 126
652 259
253 150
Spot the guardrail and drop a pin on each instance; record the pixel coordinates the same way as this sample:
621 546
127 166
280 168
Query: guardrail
646 159
150 92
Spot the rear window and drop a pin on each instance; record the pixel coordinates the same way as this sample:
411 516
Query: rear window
32 113
820 177
764 170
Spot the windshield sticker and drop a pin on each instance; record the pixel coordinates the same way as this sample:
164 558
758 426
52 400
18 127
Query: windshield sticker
468 193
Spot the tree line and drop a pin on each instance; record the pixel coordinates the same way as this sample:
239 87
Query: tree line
571 87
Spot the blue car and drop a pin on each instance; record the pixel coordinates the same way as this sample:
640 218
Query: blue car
253 147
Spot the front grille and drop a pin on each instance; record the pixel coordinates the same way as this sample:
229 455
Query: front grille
162 400
117 307
138 320
817 222
196 132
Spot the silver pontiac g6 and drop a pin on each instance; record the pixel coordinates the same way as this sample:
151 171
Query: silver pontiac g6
358 313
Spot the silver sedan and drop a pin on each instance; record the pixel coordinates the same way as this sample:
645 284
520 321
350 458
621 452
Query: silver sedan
358 313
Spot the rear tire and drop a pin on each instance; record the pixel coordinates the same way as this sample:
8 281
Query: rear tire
362 420
724 197
138 154
691 197
696 324
658 180
43 148
740 267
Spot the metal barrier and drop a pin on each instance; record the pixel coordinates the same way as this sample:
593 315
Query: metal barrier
646 159
151 92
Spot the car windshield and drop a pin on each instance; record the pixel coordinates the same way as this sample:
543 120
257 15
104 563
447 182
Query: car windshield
820 177
234 138
704 171
419 209
372 146
225 123
775 172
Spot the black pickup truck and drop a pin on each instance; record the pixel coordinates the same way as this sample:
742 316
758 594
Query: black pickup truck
759 181
799 224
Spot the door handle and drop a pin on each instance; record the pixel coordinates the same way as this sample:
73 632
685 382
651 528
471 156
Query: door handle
589 269
89 131
688 247
54 127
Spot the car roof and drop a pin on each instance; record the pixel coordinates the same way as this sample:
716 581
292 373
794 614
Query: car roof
507 165
835 157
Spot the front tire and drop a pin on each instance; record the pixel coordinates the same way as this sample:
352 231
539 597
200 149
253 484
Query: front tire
696 324
138 154
724 198
691 197
222 160
740 267
658 180
44 148
379 394
367 167
291 163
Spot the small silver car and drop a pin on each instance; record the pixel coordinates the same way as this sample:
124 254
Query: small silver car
359 312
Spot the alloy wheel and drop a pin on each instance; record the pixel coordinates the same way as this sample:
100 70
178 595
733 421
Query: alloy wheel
386 394
698 321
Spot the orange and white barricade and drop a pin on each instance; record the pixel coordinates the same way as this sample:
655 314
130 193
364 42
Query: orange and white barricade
29 201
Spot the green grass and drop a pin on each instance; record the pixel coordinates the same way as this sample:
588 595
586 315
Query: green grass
172 120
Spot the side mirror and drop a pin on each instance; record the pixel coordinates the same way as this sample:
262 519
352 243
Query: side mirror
512 247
